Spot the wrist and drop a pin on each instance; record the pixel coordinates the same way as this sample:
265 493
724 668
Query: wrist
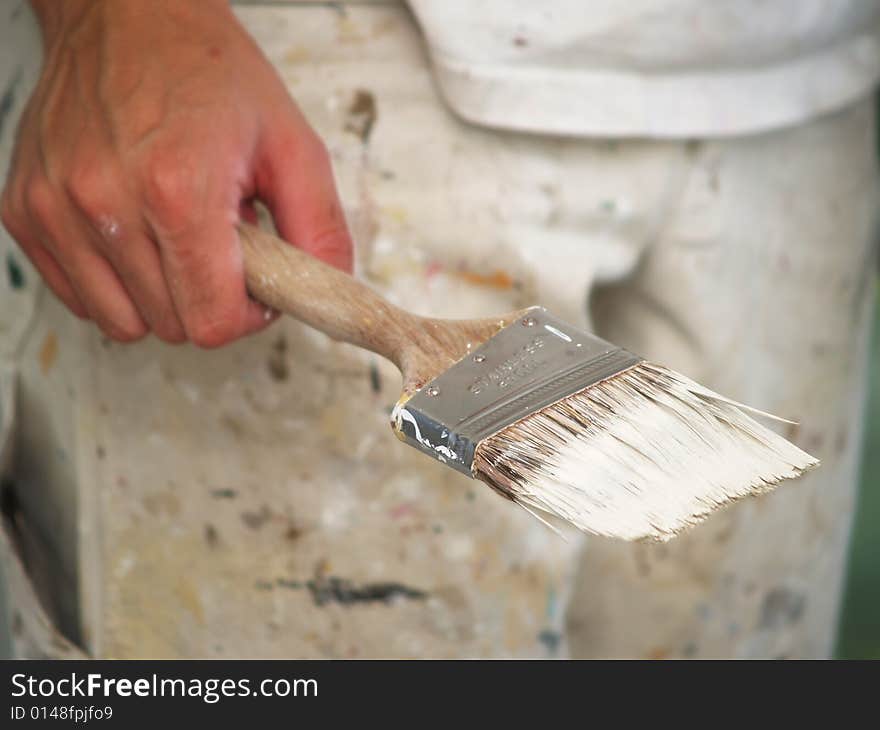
57 16
54 16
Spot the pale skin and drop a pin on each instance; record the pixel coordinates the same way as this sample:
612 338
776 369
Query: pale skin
154 126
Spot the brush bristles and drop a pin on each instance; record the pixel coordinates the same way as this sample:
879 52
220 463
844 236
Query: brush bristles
642 454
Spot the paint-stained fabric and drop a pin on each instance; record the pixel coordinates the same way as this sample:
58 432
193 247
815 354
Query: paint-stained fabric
252 501
650 68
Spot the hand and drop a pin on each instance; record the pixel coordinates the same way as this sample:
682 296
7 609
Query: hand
154 126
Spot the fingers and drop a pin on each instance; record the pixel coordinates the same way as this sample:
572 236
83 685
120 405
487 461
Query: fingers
135 258
108 218
161 252
204 268
191 210
296 182
100 269
46 265
189 285
99 288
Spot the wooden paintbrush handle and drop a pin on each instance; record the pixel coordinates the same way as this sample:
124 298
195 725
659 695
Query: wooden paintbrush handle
285 278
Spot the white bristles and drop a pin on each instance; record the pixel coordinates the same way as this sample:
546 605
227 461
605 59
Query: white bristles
642 454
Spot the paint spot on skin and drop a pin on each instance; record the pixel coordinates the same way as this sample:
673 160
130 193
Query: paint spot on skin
332 589
277 362
109 228
499 280
781 607
7 101
362 115
14 273
48 352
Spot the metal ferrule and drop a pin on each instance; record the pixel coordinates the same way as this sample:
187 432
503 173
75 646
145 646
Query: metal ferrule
532 363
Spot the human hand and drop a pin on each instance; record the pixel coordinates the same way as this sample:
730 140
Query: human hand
154 126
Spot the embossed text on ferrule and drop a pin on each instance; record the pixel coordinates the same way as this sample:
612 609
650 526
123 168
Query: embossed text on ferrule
517 366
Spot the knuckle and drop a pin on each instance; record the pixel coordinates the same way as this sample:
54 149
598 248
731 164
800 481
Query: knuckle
88 190
128 331
78 310
333 242
41 200
304 148
209 333
316 154
171 338
168 189
169 330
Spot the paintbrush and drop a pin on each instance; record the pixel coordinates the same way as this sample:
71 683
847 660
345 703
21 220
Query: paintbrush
550 417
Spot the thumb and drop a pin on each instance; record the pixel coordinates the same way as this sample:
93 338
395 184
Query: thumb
296 183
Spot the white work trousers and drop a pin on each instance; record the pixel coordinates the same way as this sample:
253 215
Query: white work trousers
253 502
